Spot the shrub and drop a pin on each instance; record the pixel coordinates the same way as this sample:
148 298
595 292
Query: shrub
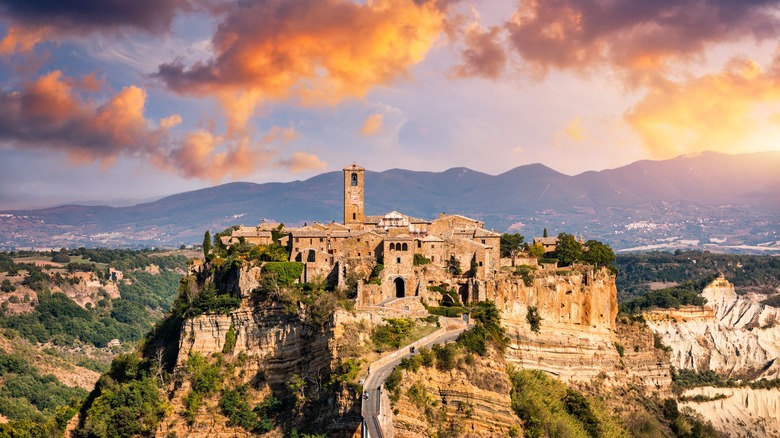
230 340
420 259
286 273
619 349
534 319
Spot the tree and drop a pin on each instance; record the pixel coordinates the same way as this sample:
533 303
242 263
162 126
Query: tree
510 244
534 319
61 256
206 243
598 254
568 250
536 250
545 233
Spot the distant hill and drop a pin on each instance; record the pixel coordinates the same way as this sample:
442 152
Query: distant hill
730 192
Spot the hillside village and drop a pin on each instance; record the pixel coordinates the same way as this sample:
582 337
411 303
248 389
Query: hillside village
395 325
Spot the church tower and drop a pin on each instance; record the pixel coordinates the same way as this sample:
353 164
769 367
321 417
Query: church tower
353 195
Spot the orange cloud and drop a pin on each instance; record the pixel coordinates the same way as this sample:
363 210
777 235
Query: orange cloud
373 125
170 121
301 162
637 37
717 112
315 51
203 155
22 40
50 113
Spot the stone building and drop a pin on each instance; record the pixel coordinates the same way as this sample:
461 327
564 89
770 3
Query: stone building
414 253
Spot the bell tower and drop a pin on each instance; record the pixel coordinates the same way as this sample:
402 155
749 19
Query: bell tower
353 195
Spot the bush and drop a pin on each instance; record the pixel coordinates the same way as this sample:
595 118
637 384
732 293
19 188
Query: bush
393 380
534 319
619 349
230 340
419 259
286 273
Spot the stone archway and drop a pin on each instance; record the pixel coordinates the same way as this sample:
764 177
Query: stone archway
400 289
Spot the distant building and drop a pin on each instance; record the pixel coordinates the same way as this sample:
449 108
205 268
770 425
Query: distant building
456 244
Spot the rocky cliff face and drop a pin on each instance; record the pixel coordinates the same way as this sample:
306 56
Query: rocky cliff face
578 332
744 412
470 401
731 335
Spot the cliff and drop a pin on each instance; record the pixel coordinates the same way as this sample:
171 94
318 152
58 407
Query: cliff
578 331
471 400
731 335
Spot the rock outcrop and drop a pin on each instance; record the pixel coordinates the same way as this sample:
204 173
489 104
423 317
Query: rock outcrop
744 412
473 401
731 335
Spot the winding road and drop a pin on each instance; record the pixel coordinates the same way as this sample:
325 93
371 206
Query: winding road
376 378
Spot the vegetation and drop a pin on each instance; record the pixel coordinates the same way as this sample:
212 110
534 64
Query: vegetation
28 396
534 319
685 294
536 250
487 330
125 402
548 407
420 259
746 272
526 271
511 244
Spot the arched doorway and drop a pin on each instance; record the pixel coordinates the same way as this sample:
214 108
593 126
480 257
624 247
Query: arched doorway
399 287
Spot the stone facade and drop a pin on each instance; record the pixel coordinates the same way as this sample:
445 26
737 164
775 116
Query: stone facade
452 245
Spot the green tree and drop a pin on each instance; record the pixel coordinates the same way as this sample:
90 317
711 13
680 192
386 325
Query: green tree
568 250
510 244
60 256
545 233
536 250
598 254
206 243
534 319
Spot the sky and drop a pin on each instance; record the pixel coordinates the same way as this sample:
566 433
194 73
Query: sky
117 101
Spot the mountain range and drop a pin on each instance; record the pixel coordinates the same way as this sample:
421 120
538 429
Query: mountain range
712 199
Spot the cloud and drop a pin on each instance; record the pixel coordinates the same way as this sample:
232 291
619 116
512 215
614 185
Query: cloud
575 130
48 113
717 112
301 162
85 16
373 125
635 36
170 121
201 155
21 40
483 55
52 113
318 52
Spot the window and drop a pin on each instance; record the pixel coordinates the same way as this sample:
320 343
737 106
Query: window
404 247
480 263
419 244
483 241
358 254
398 260
311 241
392 247
297 239
433 258
354 178
354 216
320 239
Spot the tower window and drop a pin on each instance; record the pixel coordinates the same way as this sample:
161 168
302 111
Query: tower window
392 247
398 260
404 247
354 216
354 179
